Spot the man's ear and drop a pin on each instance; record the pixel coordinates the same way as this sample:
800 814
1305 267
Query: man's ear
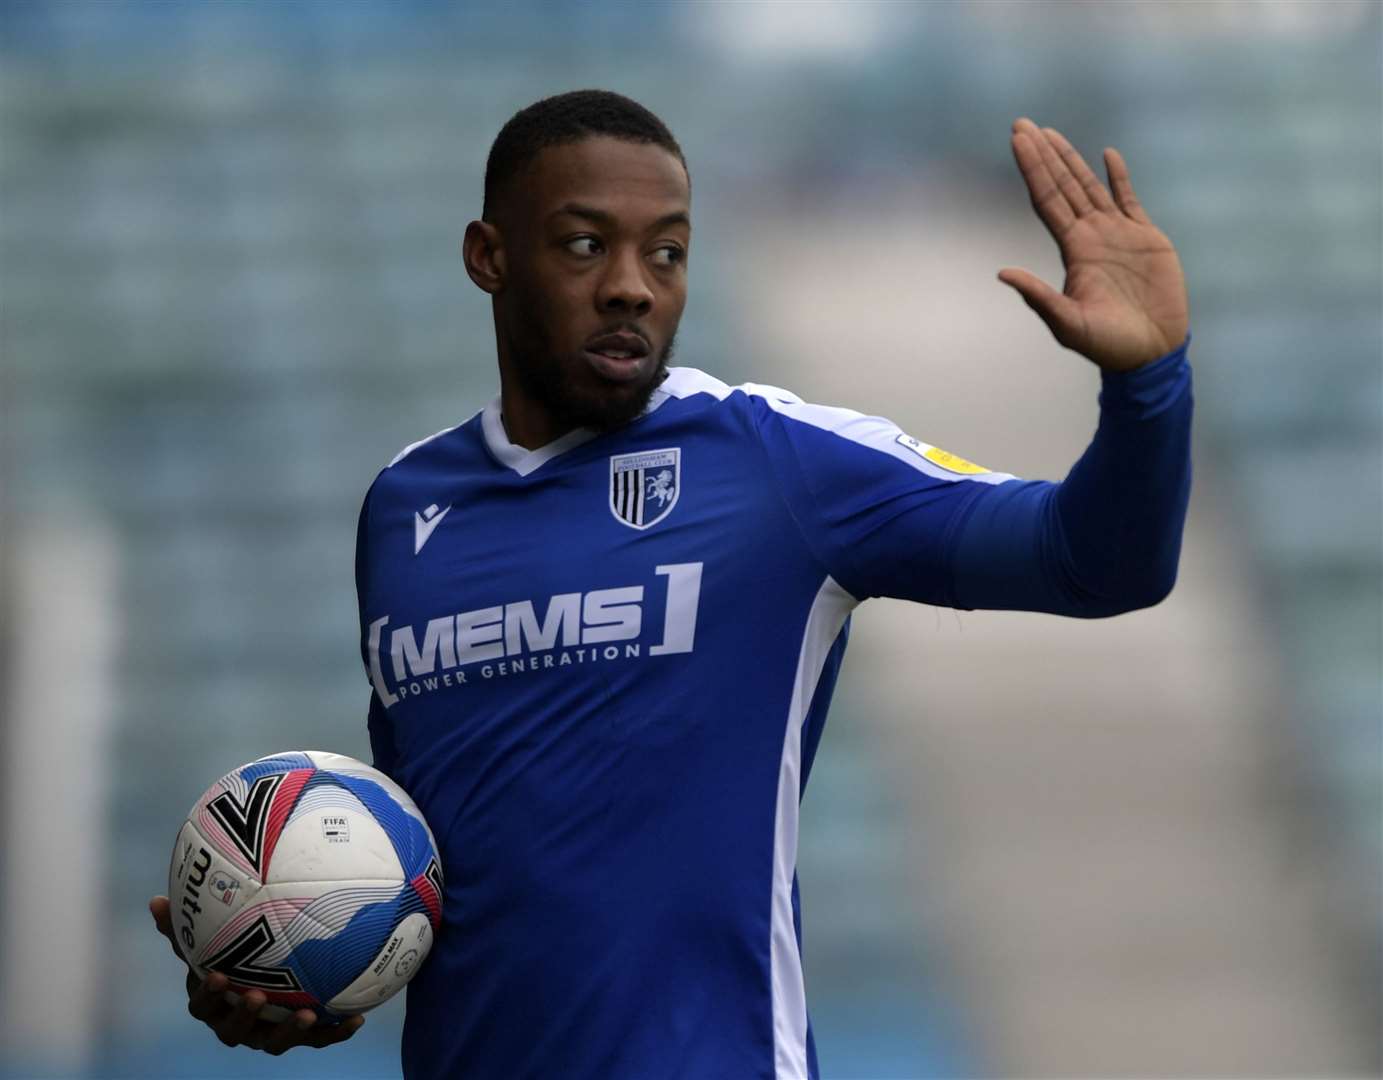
483 252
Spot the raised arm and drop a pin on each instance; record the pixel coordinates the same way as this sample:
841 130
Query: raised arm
1108 538
889 515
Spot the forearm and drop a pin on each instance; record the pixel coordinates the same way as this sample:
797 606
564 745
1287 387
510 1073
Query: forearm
1105 540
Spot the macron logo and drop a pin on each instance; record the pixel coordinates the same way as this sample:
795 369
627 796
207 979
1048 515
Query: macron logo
424 523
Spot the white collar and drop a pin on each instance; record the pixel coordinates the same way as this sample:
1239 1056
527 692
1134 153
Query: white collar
522 460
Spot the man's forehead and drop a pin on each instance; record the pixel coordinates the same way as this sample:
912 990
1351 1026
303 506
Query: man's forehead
615 177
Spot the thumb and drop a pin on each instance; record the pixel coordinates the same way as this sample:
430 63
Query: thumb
161 910
1055 309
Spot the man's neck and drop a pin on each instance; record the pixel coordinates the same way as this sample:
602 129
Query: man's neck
528 427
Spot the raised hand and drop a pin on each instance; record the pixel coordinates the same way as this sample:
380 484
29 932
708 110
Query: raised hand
1124 300
239 1024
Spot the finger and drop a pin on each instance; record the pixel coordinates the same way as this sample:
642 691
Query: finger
1047 199
1122 186
297 1030
207 1002
1066 182
340 1033
161 911
259 1036
301 1031
1057 310
1089 182
236 1027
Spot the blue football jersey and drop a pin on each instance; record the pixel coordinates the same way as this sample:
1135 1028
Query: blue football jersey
601 669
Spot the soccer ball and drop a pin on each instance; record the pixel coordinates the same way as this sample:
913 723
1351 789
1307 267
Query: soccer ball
311 877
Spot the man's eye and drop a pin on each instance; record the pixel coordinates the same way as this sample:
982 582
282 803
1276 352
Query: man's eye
669 255
584 245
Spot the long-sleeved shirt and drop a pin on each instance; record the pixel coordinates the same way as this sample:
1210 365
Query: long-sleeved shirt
601 669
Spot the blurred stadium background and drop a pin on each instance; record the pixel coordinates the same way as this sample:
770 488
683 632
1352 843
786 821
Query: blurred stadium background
1031 847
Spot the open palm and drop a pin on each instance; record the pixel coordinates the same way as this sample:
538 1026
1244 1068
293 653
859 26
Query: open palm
1124 300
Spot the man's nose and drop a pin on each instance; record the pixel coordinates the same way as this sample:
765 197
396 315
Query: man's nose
624 287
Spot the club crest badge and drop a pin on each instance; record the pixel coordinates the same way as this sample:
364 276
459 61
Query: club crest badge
644 487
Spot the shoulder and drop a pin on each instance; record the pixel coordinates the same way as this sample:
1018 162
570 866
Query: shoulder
783 419
685 383
750 409
439 450
435 437
416 462
690 383
769 404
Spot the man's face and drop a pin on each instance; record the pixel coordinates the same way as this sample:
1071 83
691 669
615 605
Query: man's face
596 235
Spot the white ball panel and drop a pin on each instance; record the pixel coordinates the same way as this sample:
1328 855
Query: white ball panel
287 911
205 891
333 844
391 969
325 759
323 908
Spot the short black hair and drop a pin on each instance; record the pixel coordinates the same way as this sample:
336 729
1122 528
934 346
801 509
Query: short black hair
566 118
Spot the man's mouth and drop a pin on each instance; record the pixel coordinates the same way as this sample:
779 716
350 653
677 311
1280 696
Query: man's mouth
617 357
619 346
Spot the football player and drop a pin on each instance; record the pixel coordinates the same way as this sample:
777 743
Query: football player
603 617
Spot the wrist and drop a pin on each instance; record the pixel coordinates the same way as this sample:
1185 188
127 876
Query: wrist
1149 388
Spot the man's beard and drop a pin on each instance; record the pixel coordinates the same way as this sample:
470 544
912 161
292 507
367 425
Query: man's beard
576 403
